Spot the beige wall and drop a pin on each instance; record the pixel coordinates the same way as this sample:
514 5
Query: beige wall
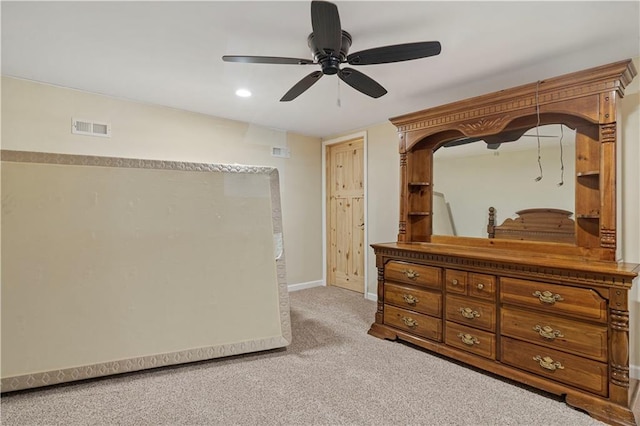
37 117
383 186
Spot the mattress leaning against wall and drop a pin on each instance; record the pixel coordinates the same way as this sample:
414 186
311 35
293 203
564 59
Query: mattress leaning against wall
112 265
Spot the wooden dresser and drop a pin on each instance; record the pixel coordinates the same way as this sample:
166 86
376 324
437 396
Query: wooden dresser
550 314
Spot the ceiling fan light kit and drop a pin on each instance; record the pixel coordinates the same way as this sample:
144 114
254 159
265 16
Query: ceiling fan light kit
330 44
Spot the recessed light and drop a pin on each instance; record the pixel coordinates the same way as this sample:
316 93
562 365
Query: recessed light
243 93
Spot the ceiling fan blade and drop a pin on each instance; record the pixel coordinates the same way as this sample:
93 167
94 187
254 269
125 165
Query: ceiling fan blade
395 53
301 86
327 31
361 82
266 60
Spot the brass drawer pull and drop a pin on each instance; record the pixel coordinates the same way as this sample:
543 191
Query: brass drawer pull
480 286
468 339
410 299
410 273
469 313
548 332
409 322
548 363
455 282
548 297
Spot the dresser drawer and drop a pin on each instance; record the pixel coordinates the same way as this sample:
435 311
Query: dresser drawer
472 312
412 298
566 335
482 286
470 283
559 366
471 340
413 322
553 298
455 281
411 273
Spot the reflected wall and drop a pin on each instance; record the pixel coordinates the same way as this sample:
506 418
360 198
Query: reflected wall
473 177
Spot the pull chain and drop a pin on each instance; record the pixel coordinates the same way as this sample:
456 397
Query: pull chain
561 158
338 102
539 178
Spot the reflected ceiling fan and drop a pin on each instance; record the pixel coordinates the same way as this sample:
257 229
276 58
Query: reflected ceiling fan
330 44
494 141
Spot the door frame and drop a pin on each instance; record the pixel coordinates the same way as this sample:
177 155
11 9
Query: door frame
325 144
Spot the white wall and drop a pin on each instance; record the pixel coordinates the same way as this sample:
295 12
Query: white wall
37 117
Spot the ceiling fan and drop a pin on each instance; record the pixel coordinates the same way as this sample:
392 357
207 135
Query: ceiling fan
330 44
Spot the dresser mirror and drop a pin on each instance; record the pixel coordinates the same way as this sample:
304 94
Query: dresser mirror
470 175
579 222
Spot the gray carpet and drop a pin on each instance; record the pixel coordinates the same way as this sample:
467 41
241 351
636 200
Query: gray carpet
333 373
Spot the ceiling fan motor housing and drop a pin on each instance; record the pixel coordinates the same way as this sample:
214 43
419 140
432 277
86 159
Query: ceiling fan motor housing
330 61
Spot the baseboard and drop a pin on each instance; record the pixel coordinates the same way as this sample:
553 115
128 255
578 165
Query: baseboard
302 286
634 372
320 283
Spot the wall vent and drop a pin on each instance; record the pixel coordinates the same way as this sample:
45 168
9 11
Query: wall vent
280 151
90 128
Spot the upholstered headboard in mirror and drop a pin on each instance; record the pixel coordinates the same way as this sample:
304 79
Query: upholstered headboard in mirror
541 224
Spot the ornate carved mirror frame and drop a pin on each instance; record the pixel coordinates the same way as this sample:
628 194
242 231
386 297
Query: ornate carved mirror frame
585 101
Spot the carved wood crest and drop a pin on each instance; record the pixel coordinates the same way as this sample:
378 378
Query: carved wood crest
484 125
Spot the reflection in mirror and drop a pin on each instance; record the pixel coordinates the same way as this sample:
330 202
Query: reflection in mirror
471 175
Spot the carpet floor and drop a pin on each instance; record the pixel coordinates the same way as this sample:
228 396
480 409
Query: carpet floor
333 373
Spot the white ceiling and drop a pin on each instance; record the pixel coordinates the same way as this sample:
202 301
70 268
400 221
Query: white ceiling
169 53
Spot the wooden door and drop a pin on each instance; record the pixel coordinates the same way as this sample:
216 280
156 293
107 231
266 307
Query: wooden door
345 215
